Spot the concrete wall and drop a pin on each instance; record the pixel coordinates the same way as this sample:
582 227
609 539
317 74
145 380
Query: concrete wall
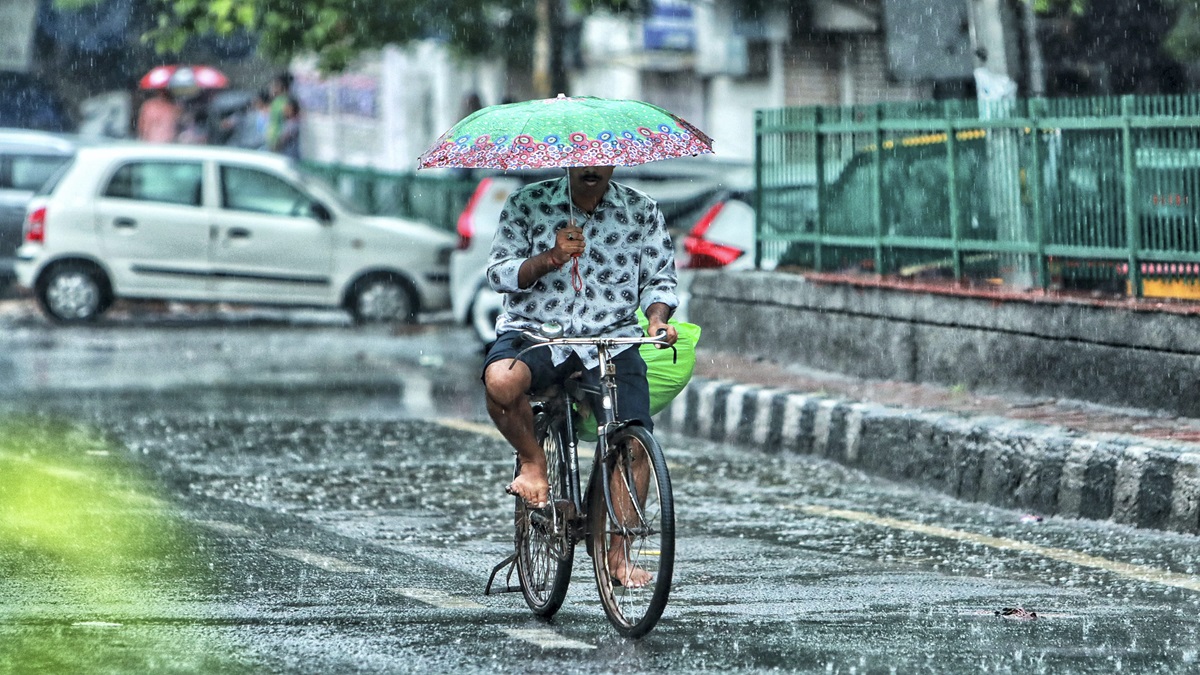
1115 356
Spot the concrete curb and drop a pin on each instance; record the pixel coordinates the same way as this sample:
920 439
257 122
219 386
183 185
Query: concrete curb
1009 463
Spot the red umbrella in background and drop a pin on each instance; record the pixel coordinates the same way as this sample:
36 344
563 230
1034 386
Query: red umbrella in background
179 78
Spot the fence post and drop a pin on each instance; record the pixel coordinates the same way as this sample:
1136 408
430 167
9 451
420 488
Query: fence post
1037 108
368 177
1132 227
819 157
952 110
758 183
877 177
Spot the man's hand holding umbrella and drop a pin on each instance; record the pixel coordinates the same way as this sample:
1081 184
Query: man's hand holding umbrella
568 243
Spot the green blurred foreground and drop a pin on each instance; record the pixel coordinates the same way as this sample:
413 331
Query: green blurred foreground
96 572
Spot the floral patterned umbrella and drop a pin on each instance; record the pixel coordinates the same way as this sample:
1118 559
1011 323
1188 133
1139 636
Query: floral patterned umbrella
564 132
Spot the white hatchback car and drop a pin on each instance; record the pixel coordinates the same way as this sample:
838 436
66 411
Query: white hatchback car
197 223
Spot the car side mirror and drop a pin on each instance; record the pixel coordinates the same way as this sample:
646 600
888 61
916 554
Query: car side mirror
322 213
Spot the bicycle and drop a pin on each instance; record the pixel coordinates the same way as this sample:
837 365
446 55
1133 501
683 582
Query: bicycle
627 510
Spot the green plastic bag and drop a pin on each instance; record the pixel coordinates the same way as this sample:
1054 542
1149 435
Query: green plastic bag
666 374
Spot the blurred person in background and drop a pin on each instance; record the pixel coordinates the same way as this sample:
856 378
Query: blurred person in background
158 118
277 114
288 142
251 124
194 130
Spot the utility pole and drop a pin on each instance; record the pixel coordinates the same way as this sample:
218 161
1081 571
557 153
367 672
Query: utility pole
996 64
549 71
541 50
1033 47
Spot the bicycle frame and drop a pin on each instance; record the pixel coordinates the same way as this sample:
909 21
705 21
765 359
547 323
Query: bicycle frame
559 404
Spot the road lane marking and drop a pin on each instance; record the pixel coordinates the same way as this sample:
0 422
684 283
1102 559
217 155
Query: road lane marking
1136 572
546 639
473 427
439 599
95 624
225 528
317 560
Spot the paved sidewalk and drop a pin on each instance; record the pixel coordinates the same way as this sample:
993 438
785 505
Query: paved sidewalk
1049 457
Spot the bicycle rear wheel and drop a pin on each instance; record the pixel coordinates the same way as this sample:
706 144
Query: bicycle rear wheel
545 549
631 518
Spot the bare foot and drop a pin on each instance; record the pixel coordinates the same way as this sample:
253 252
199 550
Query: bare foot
531 486
629 576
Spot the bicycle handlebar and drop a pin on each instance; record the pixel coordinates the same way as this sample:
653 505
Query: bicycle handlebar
599 342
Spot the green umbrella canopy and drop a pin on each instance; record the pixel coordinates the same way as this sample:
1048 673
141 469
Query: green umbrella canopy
565 132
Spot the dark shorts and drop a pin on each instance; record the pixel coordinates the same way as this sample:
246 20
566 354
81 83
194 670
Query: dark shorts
633 392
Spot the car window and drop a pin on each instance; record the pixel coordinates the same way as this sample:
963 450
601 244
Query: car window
171 182
30 172
54 179
322 189
244 189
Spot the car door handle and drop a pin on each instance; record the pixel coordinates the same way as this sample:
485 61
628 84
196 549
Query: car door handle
126 223
237 233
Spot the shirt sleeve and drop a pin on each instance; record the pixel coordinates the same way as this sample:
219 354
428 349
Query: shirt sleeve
658 277
510 246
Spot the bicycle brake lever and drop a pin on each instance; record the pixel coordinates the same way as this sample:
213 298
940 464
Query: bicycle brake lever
662 345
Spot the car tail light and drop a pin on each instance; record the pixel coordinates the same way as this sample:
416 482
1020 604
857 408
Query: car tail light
35 226
466 227
705 254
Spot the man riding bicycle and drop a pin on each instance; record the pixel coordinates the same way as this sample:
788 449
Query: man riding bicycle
583 252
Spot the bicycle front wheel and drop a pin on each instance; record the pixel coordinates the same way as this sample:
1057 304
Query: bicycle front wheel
545 549
631 521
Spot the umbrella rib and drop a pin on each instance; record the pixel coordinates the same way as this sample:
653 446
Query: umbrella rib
528 120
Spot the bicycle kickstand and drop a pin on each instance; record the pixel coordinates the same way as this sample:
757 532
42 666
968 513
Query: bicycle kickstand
511 563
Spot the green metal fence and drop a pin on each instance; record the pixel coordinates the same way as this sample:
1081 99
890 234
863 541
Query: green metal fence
435 199
1099 192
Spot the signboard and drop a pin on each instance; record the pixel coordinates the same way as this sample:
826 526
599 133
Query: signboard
669 27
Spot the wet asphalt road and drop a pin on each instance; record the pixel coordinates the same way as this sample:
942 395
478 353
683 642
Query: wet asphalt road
281 492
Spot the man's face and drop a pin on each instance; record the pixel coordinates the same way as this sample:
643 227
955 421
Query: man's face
589 181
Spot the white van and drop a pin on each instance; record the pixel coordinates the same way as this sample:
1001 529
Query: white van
199 223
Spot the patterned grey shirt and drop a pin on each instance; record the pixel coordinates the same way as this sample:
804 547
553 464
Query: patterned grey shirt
629 260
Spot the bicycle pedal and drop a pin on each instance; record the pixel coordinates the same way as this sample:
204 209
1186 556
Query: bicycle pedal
566 508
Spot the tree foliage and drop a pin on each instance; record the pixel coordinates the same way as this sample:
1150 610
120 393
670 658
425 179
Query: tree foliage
336 31
1182 41
1119 46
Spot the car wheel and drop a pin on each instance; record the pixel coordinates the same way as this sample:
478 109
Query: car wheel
73 292
382 298
485 309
